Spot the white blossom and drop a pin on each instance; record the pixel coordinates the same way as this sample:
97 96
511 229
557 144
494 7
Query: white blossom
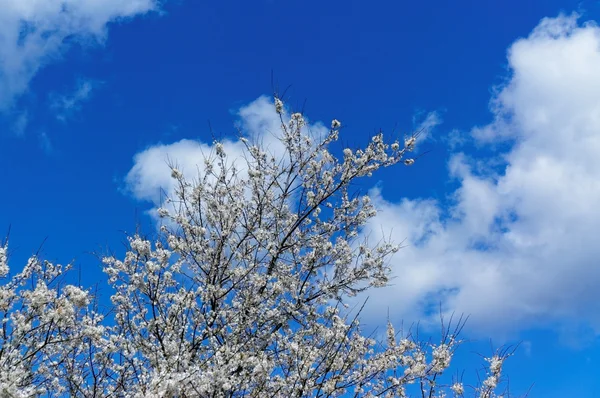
220 149
176 173
458 389
162 212
77 296
3 262
278 105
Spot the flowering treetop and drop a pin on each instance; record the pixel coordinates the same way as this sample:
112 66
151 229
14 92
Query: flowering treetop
242 293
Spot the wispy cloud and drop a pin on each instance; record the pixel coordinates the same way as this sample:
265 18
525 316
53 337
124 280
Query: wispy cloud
426 124
45 143
455 139
34 33
19 126
65 105
518 247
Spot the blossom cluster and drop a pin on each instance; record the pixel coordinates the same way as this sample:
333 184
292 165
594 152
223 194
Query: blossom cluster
47 329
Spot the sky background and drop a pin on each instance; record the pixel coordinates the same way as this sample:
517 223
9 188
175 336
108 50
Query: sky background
501 217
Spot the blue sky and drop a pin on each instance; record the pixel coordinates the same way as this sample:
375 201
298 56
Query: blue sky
500 215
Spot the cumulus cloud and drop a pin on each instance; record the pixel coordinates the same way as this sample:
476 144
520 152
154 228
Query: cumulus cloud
518 248
34 33
150 177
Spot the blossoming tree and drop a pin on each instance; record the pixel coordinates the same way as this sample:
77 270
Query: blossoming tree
244 292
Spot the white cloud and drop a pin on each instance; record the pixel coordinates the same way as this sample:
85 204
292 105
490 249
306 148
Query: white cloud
431 120
66 104
150 177
34 33
519 247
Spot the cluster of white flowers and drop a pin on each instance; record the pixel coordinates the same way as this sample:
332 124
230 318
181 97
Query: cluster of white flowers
77 296
278 105
47 330
3 262
409 143
493 377
176 173
458 389
243 293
